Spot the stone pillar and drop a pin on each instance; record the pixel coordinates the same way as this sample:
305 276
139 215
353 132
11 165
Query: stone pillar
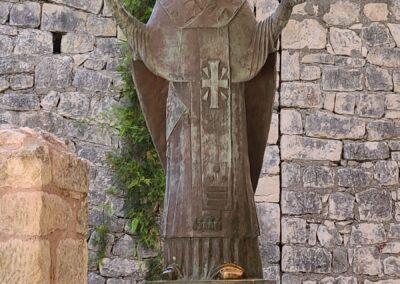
43 209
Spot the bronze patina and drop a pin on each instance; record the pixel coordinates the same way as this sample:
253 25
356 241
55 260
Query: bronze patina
206 78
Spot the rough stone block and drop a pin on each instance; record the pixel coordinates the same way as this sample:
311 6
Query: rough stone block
340 264
6 46
91 80
341 206
302 259
291 174
378 79
72 259
345 103
374 205
345 42
320 58
107 46
34 42
273 134
94 278
19 102
25 261
367 234
271 160
394 231
383 129
4 11
304 148
307 33
268 189
92 6
392 101
21 82
377 34
356 178
386 172
33 213
391 247
118 267
326 125
26 14
391 266
328 235
13 65
57 18
340 79
290 66
342 12
291 122
376 11
124 247
299 203
294 230
77 43
269 217
366 151
310 73
318 177
99 26
367 261
395 31
50 101
54 72
74 105
4 84
385 56
329 101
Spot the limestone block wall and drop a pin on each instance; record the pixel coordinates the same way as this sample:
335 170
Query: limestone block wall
43 210
339 136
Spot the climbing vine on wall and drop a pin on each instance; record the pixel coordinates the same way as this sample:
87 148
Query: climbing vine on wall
137 168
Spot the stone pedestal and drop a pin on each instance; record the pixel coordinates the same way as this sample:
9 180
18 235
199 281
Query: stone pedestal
244 281
43 209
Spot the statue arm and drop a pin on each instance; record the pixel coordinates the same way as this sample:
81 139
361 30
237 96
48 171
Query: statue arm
135 31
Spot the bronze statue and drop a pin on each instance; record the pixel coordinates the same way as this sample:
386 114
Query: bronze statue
205 75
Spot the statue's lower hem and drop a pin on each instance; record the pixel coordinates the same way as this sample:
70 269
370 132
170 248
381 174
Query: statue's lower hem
242 281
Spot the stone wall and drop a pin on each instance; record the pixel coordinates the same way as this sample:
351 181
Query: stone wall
43 210
339 132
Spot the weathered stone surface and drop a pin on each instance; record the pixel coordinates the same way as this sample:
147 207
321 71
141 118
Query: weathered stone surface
387 281
35 42
340 264
307 33
342 13
107 46
351 177
94 278
4 11
378 79
124 247
340 79
329 101
94 64
339 280
268 189
392 101
4 84
92 6
99 26
50 101
290 174
341 206
367 234
271 163
365 151
270 253
391 266
310 73
328 235
12 65
269 221
273 134
74 105
383 129
33 213
377 34
91 80
302 259
374 205
72 259
54 72
394 231
395 31
296 203
318 177
21 82
58 18
291 122
25 261
386 172
8 30
391 247
345 42
376 11
367 261
385 56
6 46
302 95
321 58
19 102
326 125
345 103
371 105
118 267
294 230
290 69
77 43
26 14
304 148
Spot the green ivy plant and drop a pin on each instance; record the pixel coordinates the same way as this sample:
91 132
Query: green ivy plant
137 168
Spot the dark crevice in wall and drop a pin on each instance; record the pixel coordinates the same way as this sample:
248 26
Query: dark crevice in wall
57 42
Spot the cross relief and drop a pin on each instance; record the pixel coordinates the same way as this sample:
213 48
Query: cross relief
213 82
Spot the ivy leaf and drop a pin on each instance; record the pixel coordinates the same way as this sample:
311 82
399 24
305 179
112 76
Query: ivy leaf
134 224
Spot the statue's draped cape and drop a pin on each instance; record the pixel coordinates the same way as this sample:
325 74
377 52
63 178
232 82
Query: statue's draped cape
260 82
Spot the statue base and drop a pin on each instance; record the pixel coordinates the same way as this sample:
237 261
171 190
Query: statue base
242 281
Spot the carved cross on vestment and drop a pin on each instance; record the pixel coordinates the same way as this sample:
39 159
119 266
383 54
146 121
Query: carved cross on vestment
214 82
